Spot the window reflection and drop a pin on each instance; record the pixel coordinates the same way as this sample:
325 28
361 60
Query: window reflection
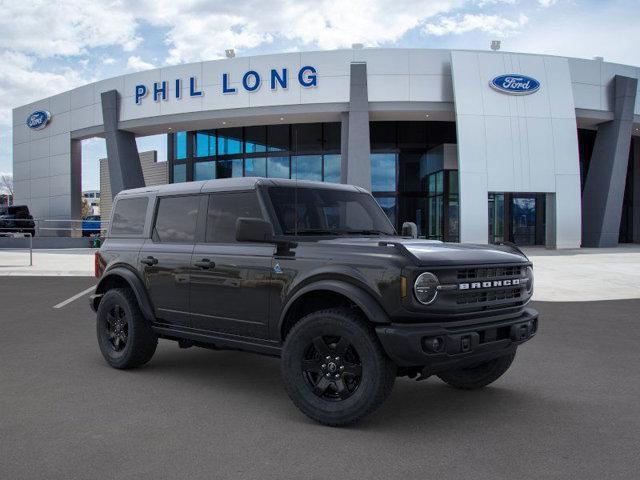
229 141
306 167
205 144
383 172
255 139
229 168
278 167
180 173
180 146
204 171
332 168
255 167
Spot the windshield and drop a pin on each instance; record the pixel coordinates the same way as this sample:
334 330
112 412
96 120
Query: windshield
320 211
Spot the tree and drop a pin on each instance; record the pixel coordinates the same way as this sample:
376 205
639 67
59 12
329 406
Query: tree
6 186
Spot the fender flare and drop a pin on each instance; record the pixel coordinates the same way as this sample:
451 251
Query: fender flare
364 300
136 285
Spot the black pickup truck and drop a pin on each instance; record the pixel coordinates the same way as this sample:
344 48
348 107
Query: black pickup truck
313 273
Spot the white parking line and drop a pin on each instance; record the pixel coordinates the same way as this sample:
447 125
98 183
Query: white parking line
75 297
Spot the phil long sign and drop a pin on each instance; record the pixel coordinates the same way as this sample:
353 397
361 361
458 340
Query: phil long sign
250 81
515 84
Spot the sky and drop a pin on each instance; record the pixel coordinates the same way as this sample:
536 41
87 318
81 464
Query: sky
47 47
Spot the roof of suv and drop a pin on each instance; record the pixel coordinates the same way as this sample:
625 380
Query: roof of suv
230 184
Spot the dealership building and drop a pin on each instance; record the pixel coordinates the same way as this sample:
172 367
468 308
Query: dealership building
472 146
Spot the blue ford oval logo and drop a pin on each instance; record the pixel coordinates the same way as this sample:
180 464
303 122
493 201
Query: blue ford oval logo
515 84
38 119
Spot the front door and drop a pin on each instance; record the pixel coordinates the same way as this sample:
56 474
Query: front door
165 259
230 281
523 219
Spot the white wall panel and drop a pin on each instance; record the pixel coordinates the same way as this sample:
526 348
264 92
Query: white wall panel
388 88
20 133
39 148
430 88
60 103
585 71
59 144
82 117
59 165
39 168
81 97
429 62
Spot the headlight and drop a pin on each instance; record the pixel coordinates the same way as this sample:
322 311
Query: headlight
529 273
426 288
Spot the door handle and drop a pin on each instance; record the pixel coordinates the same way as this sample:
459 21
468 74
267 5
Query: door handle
205 264
149 260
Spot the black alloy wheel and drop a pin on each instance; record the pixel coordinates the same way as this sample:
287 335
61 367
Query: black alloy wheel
125 337
332 367
118 327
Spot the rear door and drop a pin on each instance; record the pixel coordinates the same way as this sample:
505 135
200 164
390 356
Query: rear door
230 280
165 259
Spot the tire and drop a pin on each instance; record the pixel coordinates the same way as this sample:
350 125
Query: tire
477 376
125 337
364 381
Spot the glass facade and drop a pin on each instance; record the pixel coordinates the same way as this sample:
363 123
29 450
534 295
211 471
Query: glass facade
308 151
410 179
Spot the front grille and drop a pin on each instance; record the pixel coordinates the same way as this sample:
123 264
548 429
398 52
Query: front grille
503 294
481 273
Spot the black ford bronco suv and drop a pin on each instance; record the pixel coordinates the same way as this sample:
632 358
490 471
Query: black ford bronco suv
313 273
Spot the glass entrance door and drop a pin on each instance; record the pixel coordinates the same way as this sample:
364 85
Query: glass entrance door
523 219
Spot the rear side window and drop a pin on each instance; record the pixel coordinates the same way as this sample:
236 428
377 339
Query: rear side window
224 209
176 219
129 215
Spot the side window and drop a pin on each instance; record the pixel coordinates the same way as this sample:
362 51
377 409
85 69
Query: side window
224 210
176 219
129 215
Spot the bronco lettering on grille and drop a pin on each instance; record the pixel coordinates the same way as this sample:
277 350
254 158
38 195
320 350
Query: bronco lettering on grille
489 284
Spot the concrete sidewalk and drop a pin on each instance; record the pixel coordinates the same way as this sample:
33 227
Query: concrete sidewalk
76 262
586 274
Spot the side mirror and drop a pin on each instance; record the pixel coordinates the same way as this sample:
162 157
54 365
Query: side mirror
409 229
254 230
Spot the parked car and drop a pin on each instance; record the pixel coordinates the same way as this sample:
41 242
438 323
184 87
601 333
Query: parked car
91 225
313 273
17 219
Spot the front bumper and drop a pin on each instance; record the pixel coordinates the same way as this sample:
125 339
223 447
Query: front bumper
411 345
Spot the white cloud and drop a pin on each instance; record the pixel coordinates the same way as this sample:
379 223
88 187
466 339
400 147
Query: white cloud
547 3
202 31
21 83
491 24
108 61
45 28
136 63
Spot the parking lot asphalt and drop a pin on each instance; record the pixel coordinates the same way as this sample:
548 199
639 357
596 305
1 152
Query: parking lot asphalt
568 408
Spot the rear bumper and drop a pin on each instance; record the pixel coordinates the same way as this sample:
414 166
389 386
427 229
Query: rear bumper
439 347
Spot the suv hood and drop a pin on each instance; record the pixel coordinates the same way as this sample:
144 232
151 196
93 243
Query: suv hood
432 252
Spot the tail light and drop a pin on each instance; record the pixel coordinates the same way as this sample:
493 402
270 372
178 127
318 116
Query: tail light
98 265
